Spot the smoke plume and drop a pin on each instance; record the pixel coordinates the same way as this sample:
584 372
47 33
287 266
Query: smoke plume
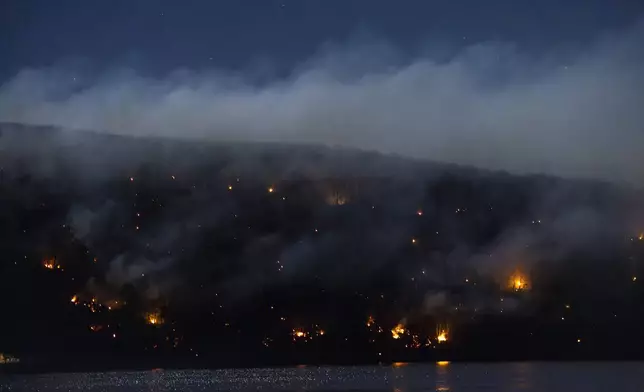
573 114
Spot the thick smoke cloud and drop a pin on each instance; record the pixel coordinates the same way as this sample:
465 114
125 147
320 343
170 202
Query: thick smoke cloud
571 114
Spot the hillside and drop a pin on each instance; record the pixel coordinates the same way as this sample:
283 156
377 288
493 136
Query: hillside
124 252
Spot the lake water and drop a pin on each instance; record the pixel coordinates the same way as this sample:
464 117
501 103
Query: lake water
454 377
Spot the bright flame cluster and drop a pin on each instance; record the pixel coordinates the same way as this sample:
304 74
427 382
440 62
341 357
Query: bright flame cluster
153 318
397 331
51 264
442 337
306 336
299 334
518 282
442 334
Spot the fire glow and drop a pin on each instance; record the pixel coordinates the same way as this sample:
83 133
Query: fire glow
397 331
299 334
518 282
51 264
153 318
442 334
442 337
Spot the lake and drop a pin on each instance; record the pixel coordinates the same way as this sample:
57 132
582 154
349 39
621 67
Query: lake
446 377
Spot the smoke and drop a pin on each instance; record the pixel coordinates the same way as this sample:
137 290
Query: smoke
185 241
86 222
434 301
491 106
121 273
566 113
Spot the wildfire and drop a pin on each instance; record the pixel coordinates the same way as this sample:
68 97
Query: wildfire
397 331
74 300
299 334
442 337
415 341
518 282
271 189
442 334
370 321
93 305
51 264
153 318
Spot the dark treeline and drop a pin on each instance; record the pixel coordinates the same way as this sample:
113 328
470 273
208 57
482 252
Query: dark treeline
125 252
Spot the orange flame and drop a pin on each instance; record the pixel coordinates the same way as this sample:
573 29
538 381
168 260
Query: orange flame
299 334
397 331
518 282
442 337
50 264
442 334
153 318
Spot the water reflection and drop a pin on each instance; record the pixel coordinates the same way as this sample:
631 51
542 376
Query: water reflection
399 370
523 376
442 376
400 377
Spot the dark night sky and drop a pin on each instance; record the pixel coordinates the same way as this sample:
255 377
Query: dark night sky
501 84
156 36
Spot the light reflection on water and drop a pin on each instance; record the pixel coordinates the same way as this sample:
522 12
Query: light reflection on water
400 377
442 376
